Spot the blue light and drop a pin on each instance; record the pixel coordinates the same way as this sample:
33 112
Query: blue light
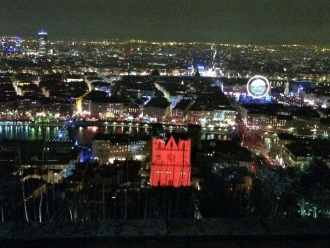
42 32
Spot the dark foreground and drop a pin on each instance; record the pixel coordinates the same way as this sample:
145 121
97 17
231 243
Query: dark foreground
236 233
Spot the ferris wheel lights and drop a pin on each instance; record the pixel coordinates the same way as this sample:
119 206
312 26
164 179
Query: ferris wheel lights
258 86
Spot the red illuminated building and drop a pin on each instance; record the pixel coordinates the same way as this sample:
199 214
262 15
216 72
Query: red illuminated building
170 164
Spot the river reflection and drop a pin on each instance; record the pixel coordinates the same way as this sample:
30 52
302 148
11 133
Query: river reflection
26 132
84 135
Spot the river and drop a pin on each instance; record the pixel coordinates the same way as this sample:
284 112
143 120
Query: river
84 132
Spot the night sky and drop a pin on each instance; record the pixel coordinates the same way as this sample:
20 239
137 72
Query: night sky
221 21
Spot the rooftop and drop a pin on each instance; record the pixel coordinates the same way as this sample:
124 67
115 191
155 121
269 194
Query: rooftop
158 102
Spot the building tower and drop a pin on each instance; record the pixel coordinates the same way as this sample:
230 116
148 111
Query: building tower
18 44
286 88
216 61
42 35
170 162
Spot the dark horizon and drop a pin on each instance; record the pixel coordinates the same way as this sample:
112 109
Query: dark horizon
220 21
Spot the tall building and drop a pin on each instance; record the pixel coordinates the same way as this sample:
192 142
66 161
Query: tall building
42 36
18 44
170 163
286 89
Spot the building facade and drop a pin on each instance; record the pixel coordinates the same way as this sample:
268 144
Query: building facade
109 147
158 108
170 163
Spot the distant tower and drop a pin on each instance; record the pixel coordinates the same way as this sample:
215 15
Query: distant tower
286 88
42 43
17 44
216 61
215 51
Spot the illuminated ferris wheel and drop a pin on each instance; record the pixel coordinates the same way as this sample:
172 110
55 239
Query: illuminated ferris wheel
258 86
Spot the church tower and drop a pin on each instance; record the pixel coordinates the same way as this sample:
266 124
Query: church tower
170 162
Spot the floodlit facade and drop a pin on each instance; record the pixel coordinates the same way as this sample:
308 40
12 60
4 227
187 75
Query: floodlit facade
106 148
170 163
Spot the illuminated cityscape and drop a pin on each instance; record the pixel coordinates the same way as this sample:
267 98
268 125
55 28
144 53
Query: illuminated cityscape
118 104
95 130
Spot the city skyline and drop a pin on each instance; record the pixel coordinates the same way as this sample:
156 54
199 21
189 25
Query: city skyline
257 22
122 129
